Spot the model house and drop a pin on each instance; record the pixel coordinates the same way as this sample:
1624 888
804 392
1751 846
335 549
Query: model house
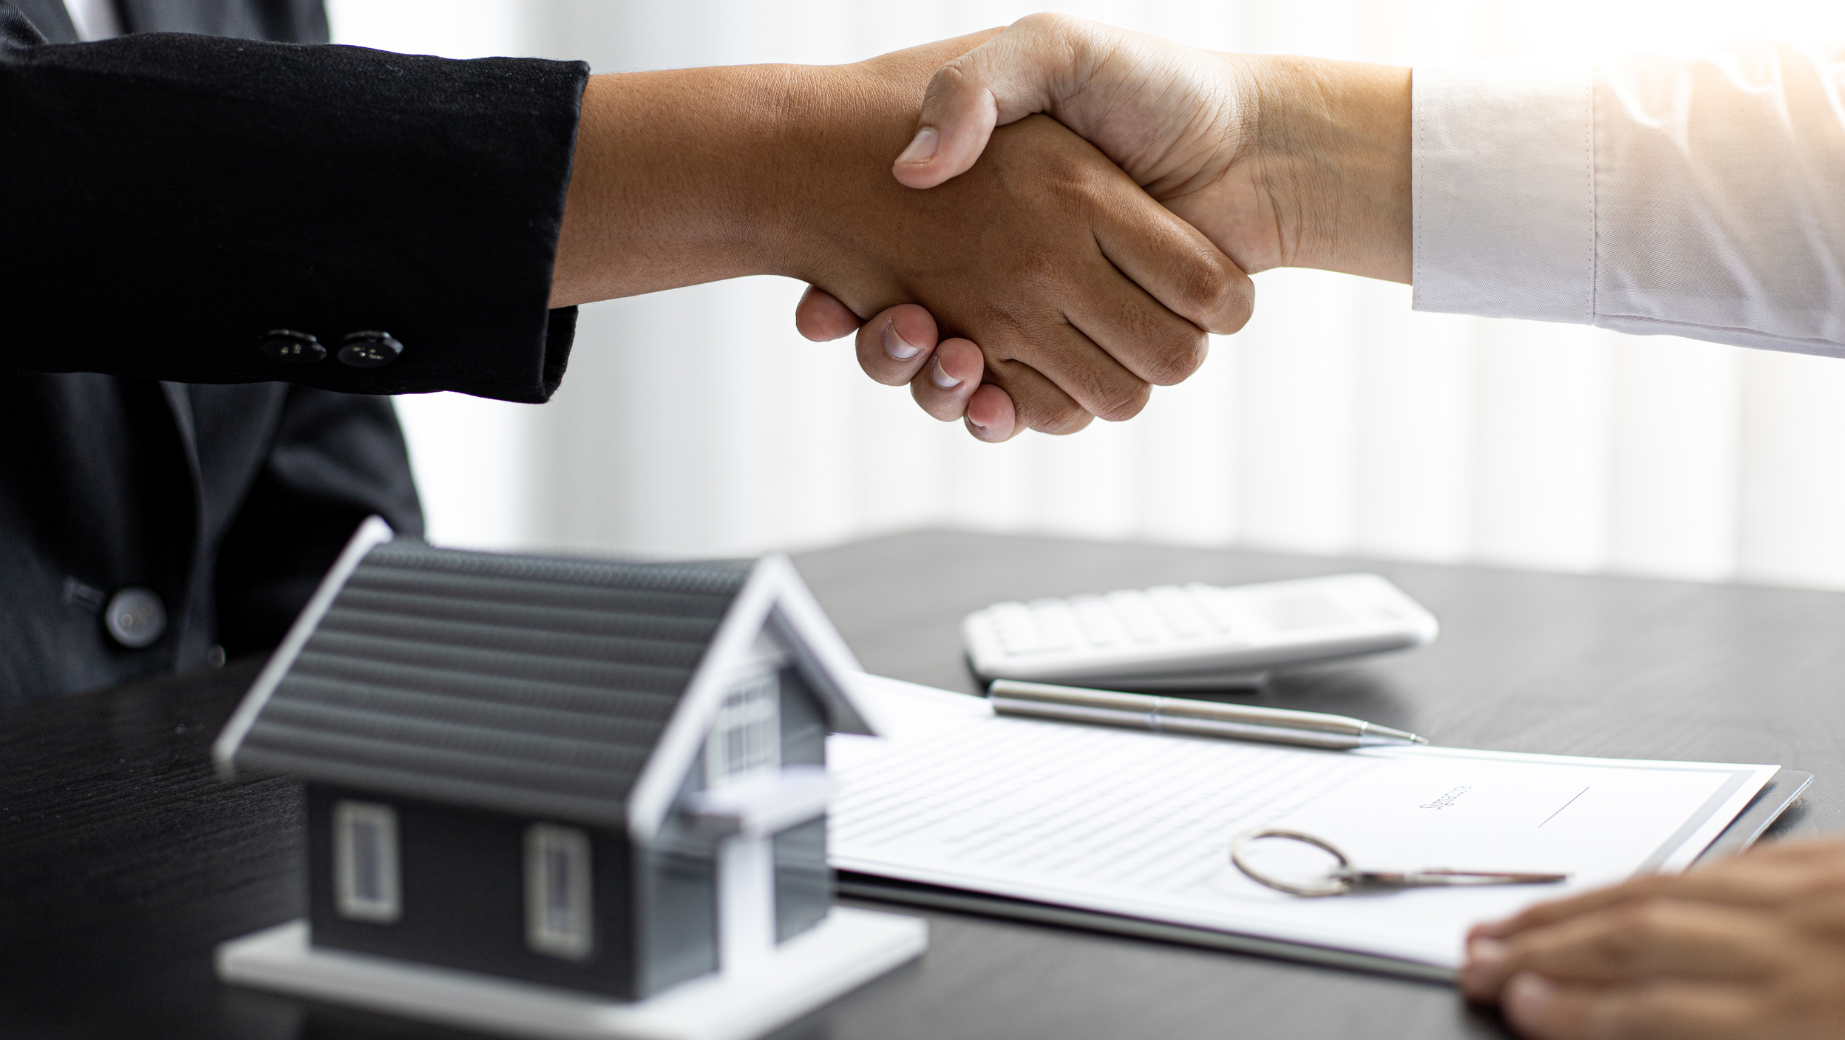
603 776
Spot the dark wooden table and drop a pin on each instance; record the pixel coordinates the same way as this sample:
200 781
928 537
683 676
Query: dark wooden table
123 862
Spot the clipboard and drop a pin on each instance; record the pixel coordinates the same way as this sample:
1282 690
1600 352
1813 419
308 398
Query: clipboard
1774 798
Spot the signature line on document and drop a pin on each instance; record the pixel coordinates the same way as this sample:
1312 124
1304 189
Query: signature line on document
1564 806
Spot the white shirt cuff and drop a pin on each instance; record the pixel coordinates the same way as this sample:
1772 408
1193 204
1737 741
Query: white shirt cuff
1503 181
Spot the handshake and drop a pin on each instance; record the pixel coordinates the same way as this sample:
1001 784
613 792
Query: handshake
1072 211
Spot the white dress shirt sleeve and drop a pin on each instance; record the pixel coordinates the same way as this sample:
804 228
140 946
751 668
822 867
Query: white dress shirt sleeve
1700 196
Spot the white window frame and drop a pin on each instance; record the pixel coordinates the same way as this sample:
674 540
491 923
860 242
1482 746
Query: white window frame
746 737
559 913
380 901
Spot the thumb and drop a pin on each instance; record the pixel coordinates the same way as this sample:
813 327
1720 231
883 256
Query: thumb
1023 70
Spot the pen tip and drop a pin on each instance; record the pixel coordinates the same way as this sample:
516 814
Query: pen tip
1413 739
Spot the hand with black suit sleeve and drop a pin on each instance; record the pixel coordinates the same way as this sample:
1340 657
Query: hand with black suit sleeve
179 205
211 210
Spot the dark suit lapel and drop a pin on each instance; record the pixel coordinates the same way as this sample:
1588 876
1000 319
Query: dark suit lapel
48 17
179 401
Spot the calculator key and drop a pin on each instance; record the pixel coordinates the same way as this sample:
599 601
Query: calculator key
1293 612
1136 615
1098 622
1210 603
1176 609
1056 624
1018 633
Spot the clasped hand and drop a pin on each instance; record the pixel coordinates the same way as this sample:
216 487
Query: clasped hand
1082 203
1276 161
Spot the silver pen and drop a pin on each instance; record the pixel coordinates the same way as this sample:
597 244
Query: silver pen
1191 717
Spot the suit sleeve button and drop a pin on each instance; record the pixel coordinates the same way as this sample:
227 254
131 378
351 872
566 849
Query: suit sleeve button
291 347
135 617
369 349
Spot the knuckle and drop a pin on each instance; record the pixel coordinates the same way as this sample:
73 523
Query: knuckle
949 79
1178 360
1076 185
1041 273
1633 929
1219 292
1051 416
1119 403
1042 21
1049 24
1064 420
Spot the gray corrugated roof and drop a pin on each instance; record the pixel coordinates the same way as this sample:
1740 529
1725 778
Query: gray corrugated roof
525 684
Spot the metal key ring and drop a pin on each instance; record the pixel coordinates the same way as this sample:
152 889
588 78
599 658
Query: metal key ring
1336 885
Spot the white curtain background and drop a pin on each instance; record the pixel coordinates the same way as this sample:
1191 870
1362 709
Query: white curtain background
698 422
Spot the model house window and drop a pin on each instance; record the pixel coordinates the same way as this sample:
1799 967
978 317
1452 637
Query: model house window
365 878
557 891
746 740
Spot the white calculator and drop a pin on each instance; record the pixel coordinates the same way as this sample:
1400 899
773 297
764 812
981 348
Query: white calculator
1193 636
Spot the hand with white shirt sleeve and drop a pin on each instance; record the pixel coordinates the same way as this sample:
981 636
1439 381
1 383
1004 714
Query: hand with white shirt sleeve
1695 196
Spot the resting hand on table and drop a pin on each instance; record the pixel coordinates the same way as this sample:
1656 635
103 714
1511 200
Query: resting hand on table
1280 161
1752 947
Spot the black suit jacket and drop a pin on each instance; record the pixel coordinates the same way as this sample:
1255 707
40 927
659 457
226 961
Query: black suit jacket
167 201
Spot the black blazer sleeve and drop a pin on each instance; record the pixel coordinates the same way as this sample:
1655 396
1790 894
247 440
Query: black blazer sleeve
168 201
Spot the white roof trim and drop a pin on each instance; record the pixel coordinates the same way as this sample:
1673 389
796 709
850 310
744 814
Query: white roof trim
802 612
673 754
373 532
773 585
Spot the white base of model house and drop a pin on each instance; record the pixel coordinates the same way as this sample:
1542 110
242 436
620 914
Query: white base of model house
849 948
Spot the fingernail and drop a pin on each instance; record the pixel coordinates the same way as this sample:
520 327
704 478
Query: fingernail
896 346
940 377
1491 927
1486 951
1528 995
1484 957
922 146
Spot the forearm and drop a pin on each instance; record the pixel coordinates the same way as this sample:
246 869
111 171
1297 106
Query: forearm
1320 166
696 175
680 177
1328 151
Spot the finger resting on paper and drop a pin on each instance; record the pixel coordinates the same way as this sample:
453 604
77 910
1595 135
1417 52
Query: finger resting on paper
1638 940
1541 1009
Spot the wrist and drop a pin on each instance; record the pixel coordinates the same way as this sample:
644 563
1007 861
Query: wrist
675 179
1328 145
827 144
824 204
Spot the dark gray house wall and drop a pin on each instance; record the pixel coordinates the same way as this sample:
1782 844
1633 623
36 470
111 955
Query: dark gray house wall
463 886
462 876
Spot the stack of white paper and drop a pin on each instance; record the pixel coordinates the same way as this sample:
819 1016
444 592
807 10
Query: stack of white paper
1140 824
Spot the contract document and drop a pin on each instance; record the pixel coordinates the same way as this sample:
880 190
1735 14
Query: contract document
1138 825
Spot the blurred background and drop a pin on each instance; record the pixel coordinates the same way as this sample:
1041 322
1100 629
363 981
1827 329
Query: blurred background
698 422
